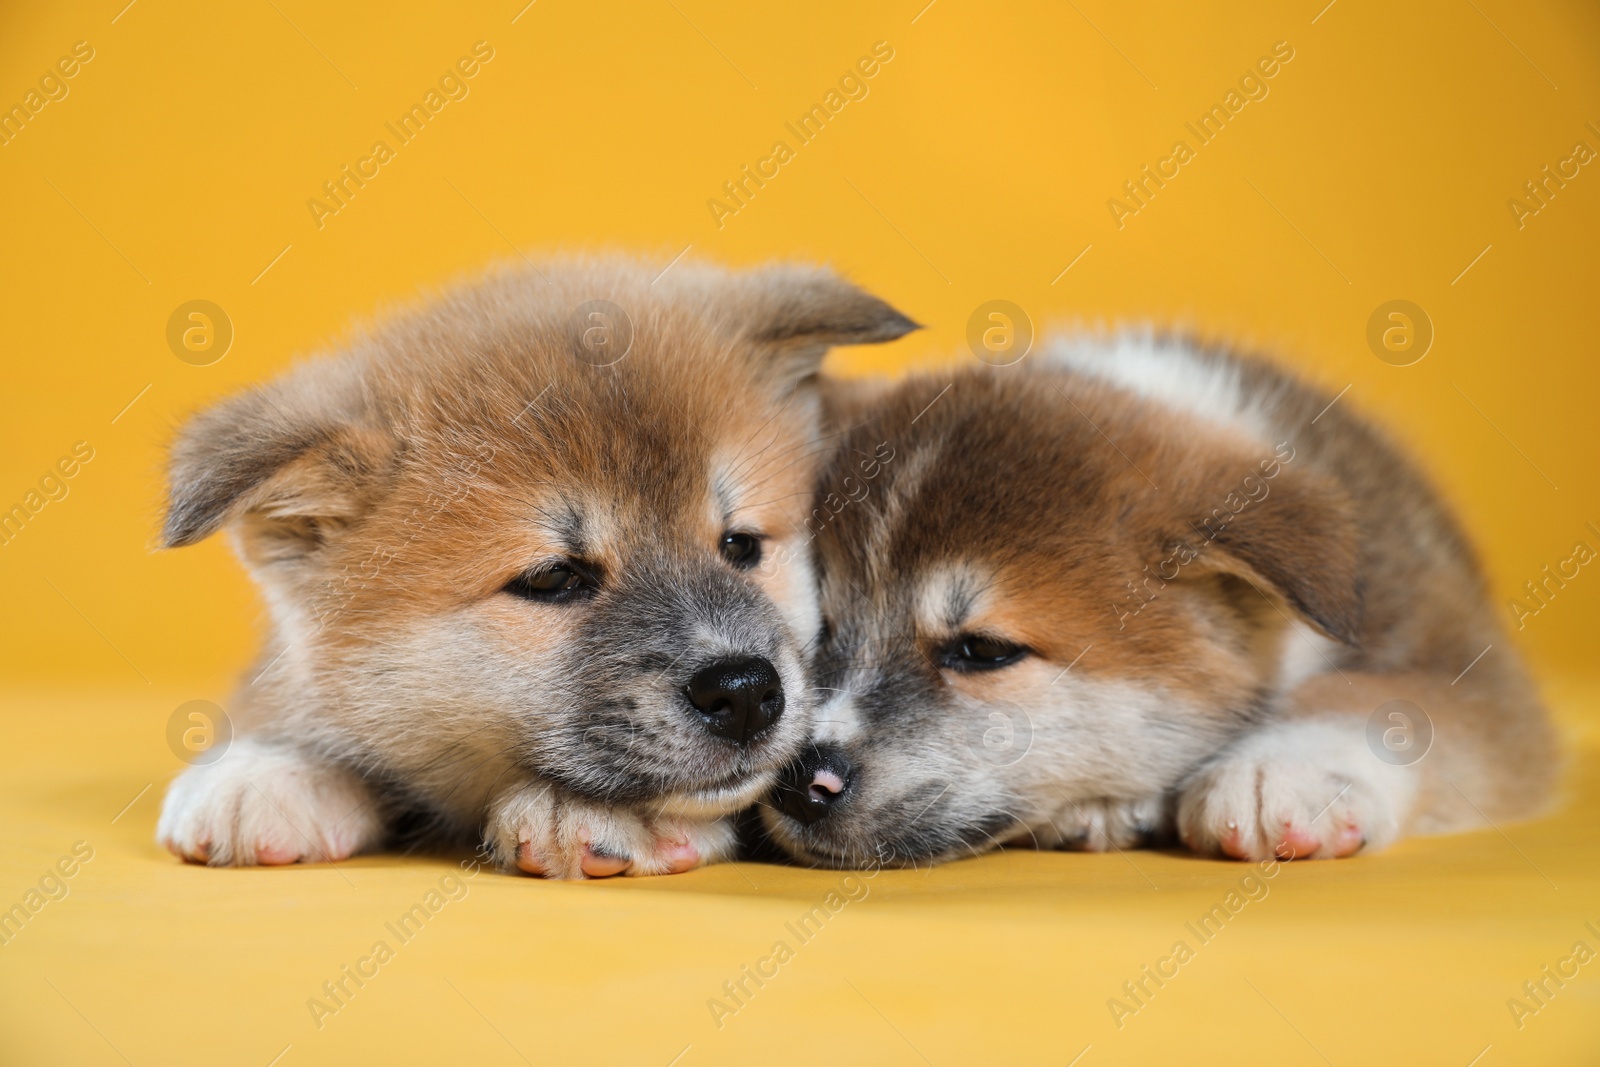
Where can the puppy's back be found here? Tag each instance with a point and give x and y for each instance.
(1426, 612)
(1425, 601)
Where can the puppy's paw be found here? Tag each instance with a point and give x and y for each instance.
(267, 804)
(1099, 824)
(544, 830)
(1295, 790)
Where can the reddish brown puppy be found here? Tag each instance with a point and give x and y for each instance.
(509, 544)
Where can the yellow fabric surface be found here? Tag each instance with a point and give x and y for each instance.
(1407, 957)
(986, 160)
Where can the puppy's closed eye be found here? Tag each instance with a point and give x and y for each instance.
(560, 582)
(980, 652)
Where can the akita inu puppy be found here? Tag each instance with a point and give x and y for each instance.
(509, 546)
(1135, 587)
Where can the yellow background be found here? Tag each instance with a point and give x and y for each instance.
(978, 167)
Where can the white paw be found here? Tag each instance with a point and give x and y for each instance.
(1295, 790)
(1100, 824)
(267, 804)
(543, 830)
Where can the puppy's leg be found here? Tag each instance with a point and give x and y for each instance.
(1099, 824)
(1312, 784)
(542, 829)
(1297, 789)
(267, 803)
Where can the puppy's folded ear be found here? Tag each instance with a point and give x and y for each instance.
(798, 313)
(1294, 537)
(290, 464)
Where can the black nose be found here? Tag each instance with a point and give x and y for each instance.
(737, 699)
(812, 786)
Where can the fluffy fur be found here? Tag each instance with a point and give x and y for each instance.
(383, 499)
(1215, 579)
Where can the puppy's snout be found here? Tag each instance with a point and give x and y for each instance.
(812, 786)
(737, 699)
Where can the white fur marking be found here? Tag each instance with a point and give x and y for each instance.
(1169, 373)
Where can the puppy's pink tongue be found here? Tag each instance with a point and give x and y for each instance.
(825, 785)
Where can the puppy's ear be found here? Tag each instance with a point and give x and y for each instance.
(1292, 536)
(289, 463)
(798, 313)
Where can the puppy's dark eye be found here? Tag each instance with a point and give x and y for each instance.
(740, 549)
(975, 652)
(553, 584)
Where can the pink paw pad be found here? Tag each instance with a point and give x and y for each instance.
(679, 855)
(1232, 843)
(528, 861)
(276, 855)
(601, 865)
(1347, 840)
(200, 854)
(1297, 843)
